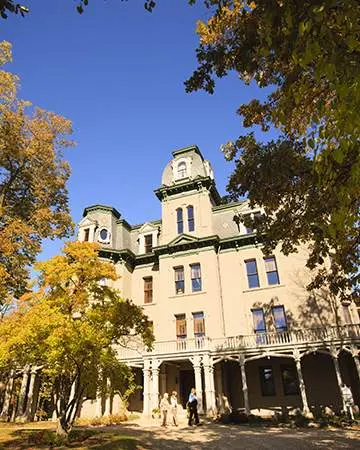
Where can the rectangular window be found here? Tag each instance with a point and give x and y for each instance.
(191, 221)
(148, 290)
(252, 216)
(347, 314)
(195, 277)
(259, 320)
(180, 326)
(179, 280)
(86, 234)
(271, 270)
(199, 324)
(252, 273)
(289, 380)
(267, 381)
(180, 221)
(279, 318)
(148, 243)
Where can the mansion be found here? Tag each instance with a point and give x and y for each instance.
(229, 320)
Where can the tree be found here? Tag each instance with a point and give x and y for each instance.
(33, 176)
(307, 180)
(72, 326)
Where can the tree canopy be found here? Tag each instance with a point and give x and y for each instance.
(72, 326)
(307, 180)
(33, 176)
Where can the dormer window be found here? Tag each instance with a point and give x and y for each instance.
(181, 170)
(148, 243)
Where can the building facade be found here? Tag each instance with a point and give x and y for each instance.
(235, 323)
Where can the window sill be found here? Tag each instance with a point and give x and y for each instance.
(263, 288)
(187, 294)
(149, 304)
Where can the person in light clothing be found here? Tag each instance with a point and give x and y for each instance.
(174, 406)
(193, 405)
(348, 400)
(164, 408)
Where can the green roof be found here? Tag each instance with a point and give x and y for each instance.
(191, 148)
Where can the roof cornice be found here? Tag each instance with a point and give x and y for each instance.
(106, 208)
(195, 184)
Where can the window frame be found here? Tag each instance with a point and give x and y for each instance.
(269, 273)
(252, 274)
(190, 218)
(148, 247)
(179, 281)
(264, 383)
(180, 220)
(86, 234)
(279, 328)
(195, 280)
(258, 330)
(148, 293)
(295, 390)
(180, 324)
(199, 318)
(181, 173)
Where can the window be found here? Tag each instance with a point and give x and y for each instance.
(148, 290)
(179, 280)
(199, 324)
(148, 243)
(195, 277)
(267, 382)
(271, 270)
(289, 380)
(259, 320)
(252, 273)
(181, 170)
(252, 216)
(190, 215)
(103, 234)
(180, 326)
(86, 234)
(279, 318)
(347, 314)
(179, 219)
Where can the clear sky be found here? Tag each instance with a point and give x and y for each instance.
(117, 72)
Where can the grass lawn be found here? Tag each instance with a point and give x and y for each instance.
(42, 435)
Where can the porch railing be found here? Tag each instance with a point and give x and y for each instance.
(327, 334)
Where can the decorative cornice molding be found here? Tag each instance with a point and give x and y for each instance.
(105, 208)
(194, 184)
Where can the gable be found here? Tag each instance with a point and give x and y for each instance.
(87, 222)
(147, 228)
(183, 239)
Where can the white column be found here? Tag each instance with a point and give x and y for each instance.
(209, 385)
(155, 364)
(355, 354)
(338, 375)
(30, 395)
(22, 395)
(107, 411)
(244, 384)
(196, 362)
(218, 387)
(163, 381)
(8, 392)
(146, 389)
(302, 388)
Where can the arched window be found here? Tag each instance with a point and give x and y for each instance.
(180, 221)
(190, 218)
(182, 170)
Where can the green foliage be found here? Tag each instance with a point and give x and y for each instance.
(308, 53)
(71, 327)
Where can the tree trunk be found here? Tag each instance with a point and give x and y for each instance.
(61, 428)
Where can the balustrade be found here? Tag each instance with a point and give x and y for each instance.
(280, 338)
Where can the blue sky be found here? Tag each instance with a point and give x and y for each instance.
(117, 72)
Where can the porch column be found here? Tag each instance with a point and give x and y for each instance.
(334, 355)
(107, 411)
(218, 388)
(196, 362)
(297, 360)
(163, 380)
(146, 389)
(7, 398)
(244, 384)
(209, 385)
(355, 354)
(22, 395)
(155, 364)
(30, 395)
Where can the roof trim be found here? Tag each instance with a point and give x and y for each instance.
(106, 208)
(190, 148)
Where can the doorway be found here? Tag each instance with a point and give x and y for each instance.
(187, 381)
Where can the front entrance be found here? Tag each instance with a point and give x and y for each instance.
(187, 381)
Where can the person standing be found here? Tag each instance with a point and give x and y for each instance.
(348, 400)
(164, 408)
(193, 404)
(174, 404)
